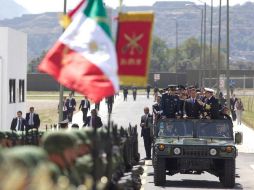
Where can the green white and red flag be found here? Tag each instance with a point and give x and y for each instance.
(84, 57)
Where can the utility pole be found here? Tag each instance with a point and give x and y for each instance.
(211, 47)
(219, 53)
(204, 51)
(176, 53)
(61, 87)
(228, 72)
(201, 51)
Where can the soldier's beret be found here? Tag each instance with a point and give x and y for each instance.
(82, 136)
(57, 142)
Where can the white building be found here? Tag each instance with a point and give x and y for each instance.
(13, 71)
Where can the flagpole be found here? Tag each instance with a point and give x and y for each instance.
(120, 6)
(61, 87)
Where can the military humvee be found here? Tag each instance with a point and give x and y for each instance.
(189, 146)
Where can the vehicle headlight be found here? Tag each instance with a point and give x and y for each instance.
(161, 147)
(229, 149)
(177, 151)
(213, 151)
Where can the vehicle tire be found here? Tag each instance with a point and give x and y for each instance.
(159, 172)
(228, 177)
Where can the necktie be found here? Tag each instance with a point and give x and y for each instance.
(31, 118)
(93, 122)
(19, 125)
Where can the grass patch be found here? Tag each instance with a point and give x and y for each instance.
(248, 114)
(48, 117)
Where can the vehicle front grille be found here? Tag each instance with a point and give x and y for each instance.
(194, 151)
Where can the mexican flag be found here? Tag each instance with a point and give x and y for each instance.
(84, 57)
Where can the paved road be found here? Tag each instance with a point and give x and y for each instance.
(130, 112)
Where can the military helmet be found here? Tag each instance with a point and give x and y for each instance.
(57, 142)
(82, 136)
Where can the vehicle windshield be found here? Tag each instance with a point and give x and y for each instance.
(175, 129)
(218, 129)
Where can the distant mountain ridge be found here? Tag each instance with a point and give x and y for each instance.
(10, 9)
(43, 29)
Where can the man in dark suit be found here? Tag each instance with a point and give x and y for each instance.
(94, 120)
(18, 123)
(210, 106)
(32, 119)
(110, 102)
(84, 106)
(232, 107)
(146, 124)
(192, 108)
(71, 106)
(125, 93)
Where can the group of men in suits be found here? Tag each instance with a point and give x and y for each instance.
(31, 121)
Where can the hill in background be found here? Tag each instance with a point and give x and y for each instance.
(43, 29)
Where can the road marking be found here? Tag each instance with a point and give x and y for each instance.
(252, 166)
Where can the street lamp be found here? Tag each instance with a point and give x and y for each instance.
(219, 53)
(201, 43)
(61, 87)
(227, 73)
(211, 46)
(176, 49)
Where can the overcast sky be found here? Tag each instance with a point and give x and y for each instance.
(40, 6)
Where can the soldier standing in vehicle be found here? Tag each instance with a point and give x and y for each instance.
(210, 105)
(146, 124)
(192, 108)
(170, 103)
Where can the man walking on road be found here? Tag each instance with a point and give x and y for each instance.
(110, 102)
(71, 106)
(84, 106)
(232, 107)
(94, 120)
(146, 124)
(18, 123)
(148, 88)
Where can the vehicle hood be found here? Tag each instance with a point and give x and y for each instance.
(196, 141)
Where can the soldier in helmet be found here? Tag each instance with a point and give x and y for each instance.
(170, 103)
(62, 151)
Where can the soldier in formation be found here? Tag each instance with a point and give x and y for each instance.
(70, 159)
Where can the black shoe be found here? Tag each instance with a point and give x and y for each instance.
(148, 158)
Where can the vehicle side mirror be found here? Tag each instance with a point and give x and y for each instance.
(238, 138)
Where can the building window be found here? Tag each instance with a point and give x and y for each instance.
(12, 91)
(21, 90)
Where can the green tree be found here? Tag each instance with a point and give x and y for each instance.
(32, 66)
